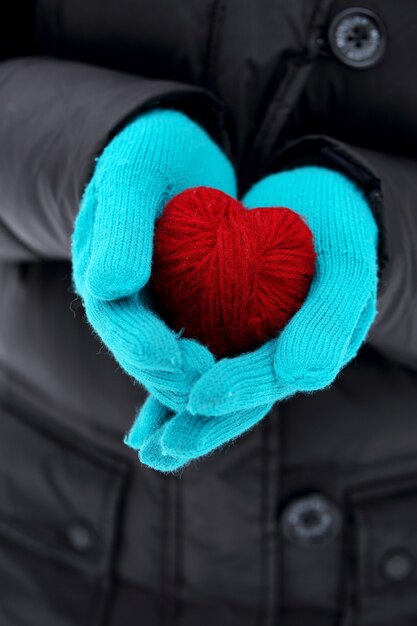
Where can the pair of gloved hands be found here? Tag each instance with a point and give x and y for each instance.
(198, 403)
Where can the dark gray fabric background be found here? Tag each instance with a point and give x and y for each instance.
(87, 535)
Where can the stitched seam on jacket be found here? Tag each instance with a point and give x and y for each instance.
(283, 92)
(164, 564)
(213, 43)
(283, 89)
(264, 579)
(178, 536)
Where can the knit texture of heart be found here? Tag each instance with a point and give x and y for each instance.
(229, 276)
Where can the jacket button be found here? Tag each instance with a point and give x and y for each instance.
(397, 565)
(80, 537)
(357, 37)
(311, 521)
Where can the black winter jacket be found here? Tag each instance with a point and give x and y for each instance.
(309, 519)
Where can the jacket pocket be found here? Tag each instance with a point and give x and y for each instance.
(59, 503)
(383, 580)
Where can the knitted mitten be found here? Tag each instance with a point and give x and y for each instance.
(152, 159)
(318, 341)
(333, 322)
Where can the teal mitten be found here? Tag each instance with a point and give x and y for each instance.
(152, 159)
(334, 320)
(319, 340)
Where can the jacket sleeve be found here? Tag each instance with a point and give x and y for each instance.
(390, 183)
(55, 118)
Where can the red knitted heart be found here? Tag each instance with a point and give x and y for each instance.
(231, 277)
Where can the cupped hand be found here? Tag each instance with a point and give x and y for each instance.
(152, 159)
(331, 325)
(198, 404)
(321, 338)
